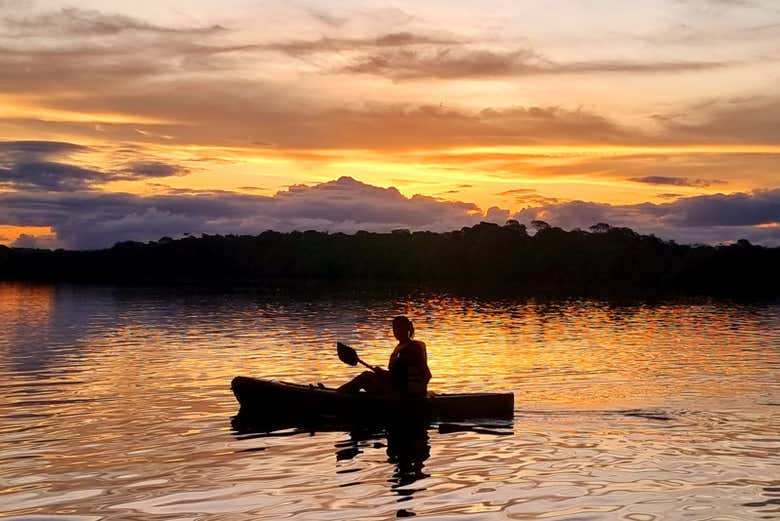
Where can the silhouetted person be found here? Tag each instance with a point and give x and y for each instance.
(407, 371)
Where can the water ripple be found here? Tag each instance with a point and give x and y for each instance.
(115, 404)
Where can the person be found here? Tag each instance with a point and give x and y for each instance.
(407, 371)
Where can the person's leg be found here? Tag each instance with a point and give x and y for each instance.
(369, 381)
(353, 386)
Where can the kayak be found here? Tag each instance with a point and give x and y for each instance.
(272, 398)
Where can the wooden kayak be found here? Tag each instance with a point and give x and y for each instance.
(266, 398)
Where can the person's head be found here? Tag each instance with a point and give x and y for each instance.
(403, 329)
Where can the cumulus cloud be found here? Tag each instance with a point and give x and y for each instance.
(94, 219)
(25, 240)
(496, 215)
(97, 219)
(702, 219)
(761, 207)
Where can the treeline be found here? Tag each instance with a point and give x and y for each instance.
(485, 256)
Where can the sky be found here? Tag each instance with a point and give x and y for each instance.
(137, 120)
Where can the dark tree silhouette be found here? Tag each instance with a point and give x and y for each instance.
(600, 228)
(540, 226)
(486, 256)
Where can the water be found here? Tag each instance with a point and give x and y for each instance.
(115, 404)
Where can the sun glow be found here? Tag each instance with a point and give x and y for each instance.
(18, 109)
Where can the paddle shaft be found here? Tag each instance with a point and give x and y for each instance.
(365, 364)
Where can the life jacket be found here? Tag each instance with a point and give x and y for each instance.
(408, 367)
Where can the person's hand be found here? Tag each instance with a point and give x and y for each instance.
(377, 369)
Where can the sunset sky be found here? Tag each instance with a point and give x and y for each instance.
(133, 120)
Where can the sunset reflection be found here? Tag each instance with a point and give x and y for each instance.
(133, 385)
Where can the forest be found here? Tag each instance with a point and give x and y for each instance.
(487, 256)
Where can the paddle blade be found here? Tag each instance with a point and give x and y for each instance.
(346, 354)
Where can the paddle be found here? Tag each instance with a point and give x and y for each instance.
(349, 356)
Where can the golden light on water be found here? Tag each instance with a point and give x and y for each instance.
(129, 121)
(560, 354)
(118, 399)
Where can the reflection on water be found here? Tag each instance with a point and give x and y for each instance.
(115, 404)
(406, 445)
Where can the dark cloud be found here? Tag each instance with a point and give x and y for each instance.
(48, 175)
(302, 48)
(153, 169)
(50, 71)
(26, 165)
(98, 219)
(210, 114)
(217, 110)
(528, 197)
(37, 165)
(701, 219)
(189, 86)
(115, 50)
(326, 44)
(25, 240)
(677, 181)
(702, 167)
(450, 63)
(741, 120)
(761, 207)
(214, 117)
(9, 150)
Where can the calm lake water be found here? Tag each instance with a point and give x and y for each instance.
(115, 404)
